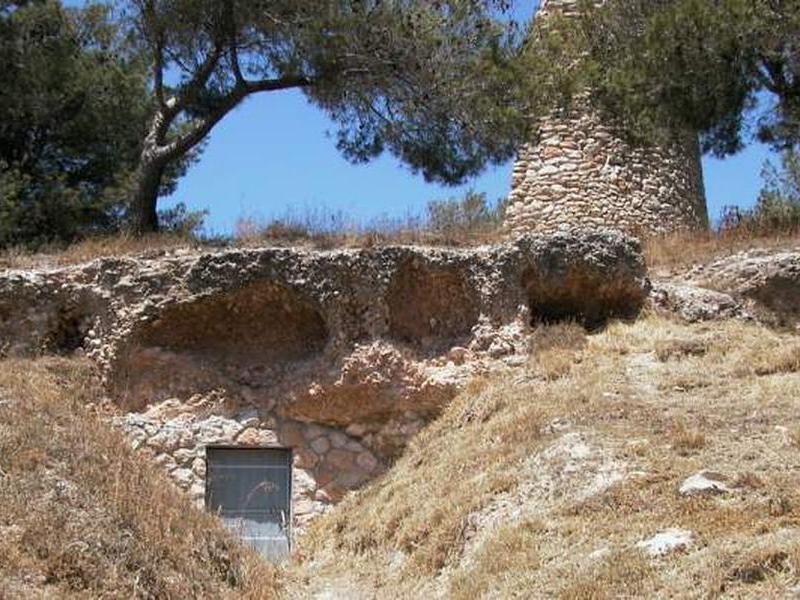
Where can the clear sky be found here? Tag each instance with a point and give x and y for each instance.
(272, 156)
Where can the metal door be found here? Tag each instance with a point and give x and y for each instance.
(251, 490)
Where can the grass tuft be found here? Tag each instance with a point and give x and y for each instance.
(83, 514)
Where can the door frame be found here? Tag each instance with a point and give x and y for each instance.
(286, 449)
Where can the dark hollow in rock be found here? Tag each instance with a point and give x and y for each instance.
(430, 307)
(780, 294)
(578, 294)
(251, 336)
(67, 331)
(263, 322)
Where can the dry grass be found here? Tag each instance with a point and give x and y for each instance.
(99, 247)
(279, 234)
(82, 515)
(247, 235)
(686, 440)
(624, 574)
(320, 229)
(555, 348)
(466, 514)
(677, 349)
(513, 551)
(485, 433)
(794, 437)
(681, 250)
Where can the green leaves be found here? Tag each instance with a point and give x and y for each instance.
(423, 80)
(72, 106)
(727, 68)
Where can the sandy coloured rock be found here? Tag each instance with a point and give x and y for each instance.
(340, 355)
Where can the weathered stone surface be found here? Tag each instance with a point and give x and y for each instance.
(705, 482)
(667, 541)
(693, 303)
(580, 171)
(311, 332)
(757, 284)
(769, 280)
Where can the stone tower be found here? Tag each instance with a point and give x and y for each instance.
(578, 171)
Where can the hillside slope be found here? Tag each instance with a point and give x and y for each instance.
(81, 515)
(651, 458)
(553, 480)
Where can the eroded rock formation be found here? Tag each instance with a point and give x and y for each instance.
(340, 355)
(758, 284)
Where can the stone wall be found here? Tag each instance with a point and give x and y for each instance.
(580, 171)
(342, 356)
(327, 461)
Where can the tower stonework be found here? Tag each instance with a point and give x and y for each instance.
(579, 171)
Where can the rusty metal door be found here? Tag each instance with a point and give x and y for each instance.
(251, 490)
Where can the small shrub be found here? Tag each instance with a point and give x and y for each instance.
(777, 209)
(686, 441)
(181, 221)
(463, 216)
(679, 348)
(554, 348)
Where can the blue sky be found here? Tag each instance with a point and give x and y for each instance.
(272, 156)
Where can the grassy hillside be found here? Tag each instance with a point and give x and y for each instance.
(541, 482)
(82, 515)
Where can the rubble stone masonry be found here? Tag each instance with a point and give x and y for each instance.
(580, 171)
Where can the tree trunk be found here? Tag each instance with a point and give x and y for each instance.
(143, 215)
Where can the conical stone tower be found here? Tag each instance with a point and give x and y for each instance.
(579, 172)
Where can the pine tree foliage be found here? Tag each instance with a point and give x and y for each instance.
(729, 69)
(426, 81)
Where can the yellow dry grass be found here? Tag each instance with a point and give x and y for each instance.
(463, 513)
(662, 253)
(96, 247)
(83, 515)
(680, 250)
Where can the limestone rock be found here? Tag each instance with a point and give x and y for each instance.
(769, 280)
(705, 482)
(694, 303)
(761, 285)
(667, 541)
(119, 307)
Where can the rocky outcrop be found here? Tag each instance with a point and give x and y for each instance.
(695, 303)
(341, 355)
(767, 280)
(756, 284)
(276, 305)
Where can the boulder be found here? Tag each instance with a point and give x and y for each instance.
(705, 482)
(667, 541)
